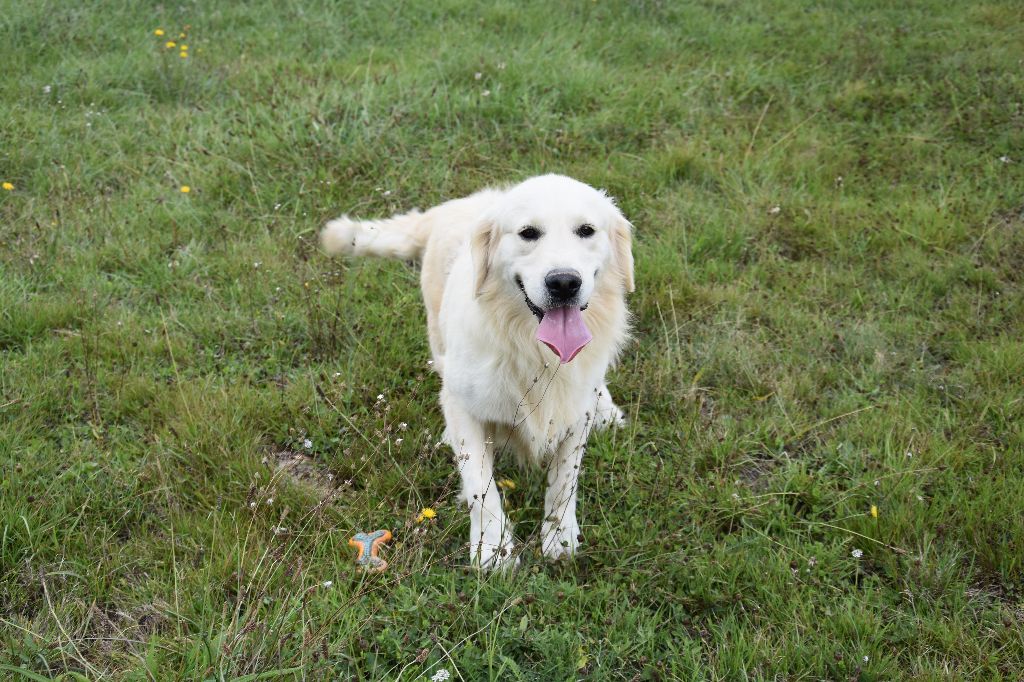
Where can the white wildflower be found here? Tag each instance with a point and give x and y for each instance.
(857, 553)
(308, 444)
(440, 676)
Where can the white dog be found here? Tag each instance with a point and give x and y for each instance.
(525, 295)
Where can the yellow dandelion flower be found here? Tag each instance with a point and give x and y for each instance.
(507, 484)
(874, 512)
(425, 514)
(159, 32)
(7, 186)
(185, 189)
(181, 35)
(183, 55)
(184, 48)
(169, 44)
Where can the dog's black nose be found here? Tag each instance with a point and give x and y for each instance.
(562, 285)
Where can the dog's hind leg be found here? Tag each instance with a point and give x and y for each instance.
(490, 531)
(606, 412)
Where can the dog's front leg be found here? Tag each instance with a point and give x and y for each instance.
(560, 533)
(490, 532)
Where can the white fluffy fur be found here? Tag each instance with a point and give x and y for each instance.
(501, 385)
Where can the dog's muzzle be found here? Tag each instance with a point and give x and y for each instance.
(534, 308)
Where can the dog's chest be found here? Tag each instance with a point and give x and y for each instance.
(532, 410)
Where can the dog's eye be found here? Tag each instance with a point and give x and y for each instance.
(530, 233)
(585, 230)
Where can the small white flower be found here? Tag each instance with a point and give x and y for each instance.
(398, 441)
(270, 501)
(440, 676)
(308, 444)
(866, 659)
(403, 426)
(380, 396)
(46, 89)
(775, 210)
(501, 66)
(477, 76)
(277, 206)
(486, 93)
(857, 553)
(328, 583)
(257, 264)
(1005, 159)
(252, 505)
(387, 192)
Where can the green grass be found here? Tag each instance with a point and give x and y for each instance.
(829, 316)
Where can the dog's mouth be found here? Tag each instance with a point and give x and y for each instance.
(561, 328)
(534, 308)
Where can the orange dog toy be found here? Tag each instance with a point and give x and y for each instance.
(368, 545)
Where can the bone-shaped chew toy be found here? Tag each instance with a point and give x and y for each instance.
(369, 545)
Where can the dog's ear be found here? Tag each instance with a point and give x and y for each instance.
(622, 252)
(481, 247)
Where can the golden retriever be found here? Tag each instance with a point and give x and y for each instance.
(525, 294)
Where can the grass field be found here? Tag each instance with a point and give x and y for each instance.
(198, 409)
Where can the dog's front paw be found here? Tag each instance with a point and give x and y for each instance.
(560, 540)
(493, 557)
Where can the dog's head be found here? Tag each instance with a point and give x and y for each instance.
(553, 241)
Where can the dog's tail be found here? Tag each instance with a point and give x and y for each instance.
(401, 236)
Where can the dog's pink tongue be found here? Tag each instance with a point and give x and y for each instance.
(564, 332)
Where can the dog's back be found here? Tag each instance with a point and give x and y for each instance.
(433, 237)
